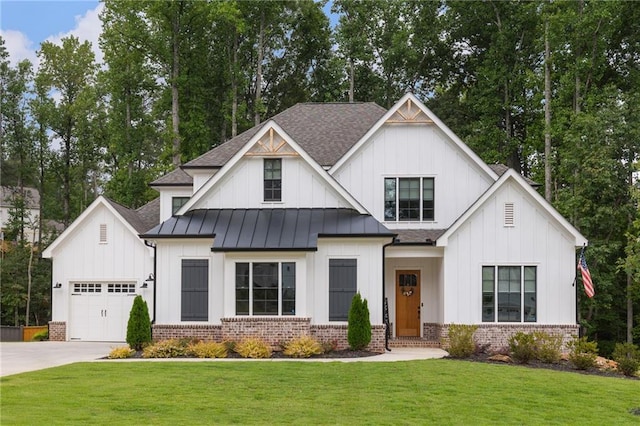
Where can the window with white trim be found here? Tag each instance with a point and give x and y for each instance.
(272, 179)
(87, 288)
(409, 199)
(177, 203)
(265, 288)
(509, 293)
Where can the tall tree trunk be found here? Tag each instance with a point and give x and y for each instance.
(352, 80)
(258, 99)
(629, 310)
(577, 96)
(29, 279)
(547, 113)
(175, 72)
(234, 87)
(66, 202)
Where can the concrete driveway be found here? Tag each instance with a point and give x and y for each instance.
(20, 357)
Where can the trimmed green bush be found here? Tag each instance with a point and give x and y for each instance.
(139, 325)
(253, 347)
(207, 350)
(359, 328)
(303, 347)
(522, 347)
(461, 344)
(583, 353)
(548, 347)
(627, 355)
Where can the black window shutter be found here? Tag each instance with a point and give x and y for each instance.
(343, 280)
(195, 290)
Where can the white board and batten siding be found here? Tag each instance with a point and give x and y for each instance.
(534, 239)
(414, 151)
(103, 253)
(242, 187)
(166, 199)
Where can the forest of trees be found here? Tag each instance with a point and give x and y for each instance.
(549, 88)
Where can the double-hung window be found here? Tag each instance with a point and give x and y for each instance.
(509, 293)
(272, 179)
(409, 199)
(265, 288)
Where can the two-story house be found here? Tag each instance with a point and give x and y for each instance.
(272, 233)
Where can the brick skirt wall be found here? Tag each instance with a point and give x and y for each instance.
(497, 335)
(275, 331)
(57, 331)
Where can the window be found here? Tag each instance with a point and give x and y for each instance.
(265, 288)
(409, 199)
(273, 179)
(343, 279)
(177, 203)
(195, 290)
(509, 293)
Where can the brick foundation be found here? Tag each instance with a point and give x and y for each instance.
(337, 334)
(57, 331)
(275, 331)
(497, 335)
(208, 332)
(431, 331)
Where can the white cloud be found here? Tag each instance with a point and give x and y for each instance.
(88, 28)
(19, 46)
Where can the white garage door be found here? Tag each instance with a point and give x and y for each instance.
(100, 311)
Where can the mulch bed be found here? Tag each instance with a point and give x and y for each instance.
(346, 353)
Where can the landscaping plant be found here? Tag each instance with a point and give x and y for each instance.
(627, 355)
(121, 352)
(461, 344)
(139, 325)
(359, 325)
(548, 347)
(207, 350)
(253, 347)
(171, 348)
(583, 353)
(303, 347)
(522, 347)
(41, 336)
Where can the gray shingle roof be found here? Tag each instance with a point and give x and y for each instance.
(31, 196)
(175, 178)
(501, 169)
(143, 219)
(325, 131)
(268, 229)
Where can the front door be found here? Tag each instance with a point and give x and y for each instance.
(407, 303)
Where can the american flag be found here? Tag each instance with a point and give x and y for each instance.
(586, 275)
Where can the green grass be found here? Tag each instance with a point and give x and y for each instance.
(416, 392)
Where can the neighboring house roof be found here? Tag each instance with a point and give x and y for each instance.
(178, 177)
(418, 236)
(501, 169)
(268, 229)
(32, 196)
(325, 131)
(512, 175)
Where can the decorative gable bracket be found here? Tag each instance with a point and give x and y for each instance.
(271, 144)
(409, 113)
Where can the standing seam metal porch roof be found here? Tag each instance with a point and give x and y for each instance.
(268, 229)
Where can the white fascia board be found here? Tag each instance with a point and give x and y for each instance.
(436, 121)
(269, 125)
(511, 174)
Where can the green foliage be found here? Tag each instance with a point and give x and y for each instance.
(253, 347)
(41, 336)
(121, 352)
(583, 353)
(461, 344)
(522, 347)
(139, 325)
(627, 355)
(207, 350)
(171, 348)
(359, 324)
(548, 347)
(303, 347)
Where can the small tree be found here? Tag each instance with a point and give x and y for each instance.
(359, 328)
(139, 325)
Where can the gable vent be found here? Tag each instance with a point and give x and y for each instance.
(103, 233)
(509, 219)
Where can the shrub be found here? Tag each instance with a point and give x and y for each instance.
(303, 347)
(548, 347)
(253, 347)
(171, 348)
(627, 355)
(582, 353)
(359, 325)
(139, 325)
(522, 347)
(461, 344)
(121, 352)
(230, 345)
(207, 350)
(329, 346)
(41, 336)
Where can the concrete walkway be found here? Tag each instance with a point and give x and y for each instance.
(21, 357)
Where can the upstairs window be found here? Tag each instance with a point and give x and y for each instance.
(409, 199)
(177, 203)
(273, 179)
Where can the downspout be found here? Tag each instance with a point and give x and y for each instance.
(385, 306)
(155, 277)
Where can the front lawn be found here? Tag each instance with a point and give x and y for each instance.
(267, 392)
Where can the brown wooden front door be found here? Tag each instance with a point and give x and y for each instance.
(407, 303)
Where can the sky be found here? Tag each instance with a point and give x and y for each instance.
(24, 24)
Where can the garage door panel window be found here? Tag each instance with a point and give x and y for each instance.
(195, 290)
